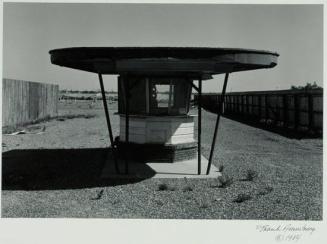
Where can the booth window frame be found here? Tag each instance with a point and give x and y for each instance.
(149, 106)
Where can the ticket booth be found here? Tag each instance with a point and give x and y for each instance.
(160, 127)
(154, 90)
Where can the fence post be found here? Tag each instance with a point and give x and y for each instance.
(310, 111)
(247, 104)
(285, 110)
(296, 111)
(242, 104)
(278, 108)
(259, 106)
(266, 108)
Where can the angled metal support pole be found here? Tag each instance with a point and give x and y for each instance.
(199, 124)
(194, 86)
(126, 84)
(220, 110)
(104, 100)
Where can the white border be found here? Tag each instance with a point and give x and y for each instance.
(157, 231)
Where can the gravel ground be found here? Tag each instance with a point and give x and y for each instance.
(55, 174)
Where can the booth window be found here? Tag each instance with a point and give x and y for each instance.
(137, 99)
(156, 96)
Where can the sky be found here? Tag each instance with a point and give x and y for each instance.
(30, 30)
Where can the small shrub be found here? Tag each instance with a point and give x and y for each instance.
(223, 182)
(277, 201)
(163, 187)
(98, 196)
(266, 190)
(269, 189)
(220, 168)
(171, 188)
(159, 203)
(250, 175)
(242, 198)
(188, 197)
(204, 205)
(187, 188)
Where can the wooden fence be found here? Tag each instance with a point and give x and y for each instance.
(24, 102)
(297, 110)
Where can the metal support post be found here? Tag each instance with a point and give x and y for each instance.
(126, 81)
(217, 123)
(199, 124)
(104, 100)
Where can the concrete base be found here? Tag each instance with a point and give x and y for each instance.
(180, 169)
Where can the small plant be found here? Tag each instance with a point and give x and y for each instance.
(98, 196)
(204, 205)
(187, 188)
(250, 175)
(266, 190)
(115, 202)
(188, 197)
(163, 187)
(220, 168)
(171, 188)
(223, 182)
(242, 198)
(159, 203)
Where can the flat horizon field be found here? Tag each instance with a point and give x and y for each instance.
(53, 171)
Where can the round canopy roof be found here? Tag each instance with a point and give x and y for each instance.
(163, 61)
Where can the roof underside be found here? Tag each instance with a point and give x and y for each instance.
(163, 61)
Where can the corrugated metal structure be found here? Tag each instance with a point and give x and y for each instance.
(24, 102)
(292, 109)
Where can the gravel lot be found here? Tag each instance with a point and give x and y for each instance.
(55, 174)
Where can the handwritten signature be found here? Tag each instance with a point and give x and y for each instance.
(288, 232)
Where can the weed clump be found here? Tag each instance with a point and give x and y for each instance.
(223, 182)
(266, 190)
(250, 175)
(187, 188)
(204, 205)
(98, 196)
(221, 168)
(159, 203)
(165, 187)
(242, 198)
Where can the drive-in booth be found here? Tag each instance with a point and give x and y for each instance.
(154, 91)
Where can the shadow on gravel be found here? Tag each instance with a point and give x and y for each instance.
(55, 169)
